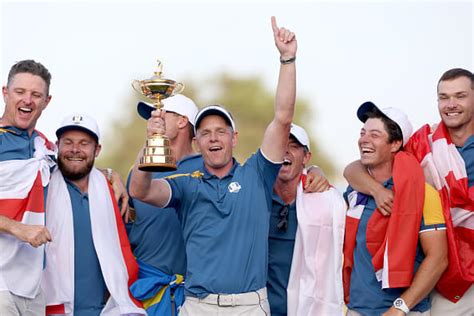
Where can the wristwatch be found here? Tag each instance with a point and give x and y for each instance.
(400, 304)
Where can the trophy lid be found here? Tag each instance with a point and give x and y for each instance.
(157, 88)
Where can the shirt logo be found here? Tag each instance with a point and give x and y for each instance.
(234, 187)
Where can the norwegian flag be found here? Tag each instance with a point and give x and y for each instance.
(444, 168)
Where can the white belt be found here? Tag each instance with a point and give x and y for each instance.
(249, 298)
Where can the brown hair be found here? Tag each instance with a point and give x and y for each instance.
(455, 73)
(32, 67)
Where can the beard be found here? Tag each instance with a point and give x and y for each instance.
(73, 174)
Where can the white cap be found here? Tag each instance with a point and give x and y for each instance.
(396, 115)
(178, 104)
(81, 122)
(300, 134)
(214, 110)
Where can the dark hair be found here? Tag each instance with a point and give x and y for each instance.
(455, 73)
(32, 67)
(393, 130)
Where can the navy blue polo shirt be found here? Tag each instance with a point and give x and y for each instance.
(225, 226)
(467, 154)
(156, 236)
(366, 295)
(16, 144)
(89, 284)
(280, 255)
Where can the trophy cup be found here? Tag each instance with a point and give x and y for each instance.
(157, 155)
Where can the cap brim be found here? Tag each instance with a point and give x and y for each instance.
(213, 111)
(297, 140)
(64, 129)
(364, 109)
(144, 110)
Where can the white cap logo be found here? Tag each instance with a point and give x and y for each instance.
(77, 119)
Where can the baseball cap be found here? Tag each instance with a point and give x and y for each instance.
(79, 121)
(178, 104)
(214, 110)
(300, 134)
(396, 115)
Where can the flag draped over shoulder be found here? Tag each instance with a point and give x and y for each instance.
(315, 285)
(22, 184)
(117, 263)
(444, 169)
(392, 240)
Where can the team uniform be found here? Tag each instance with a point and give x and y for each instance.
(280, 254)
(225, 228)
(90, 264)
(366, 294)
(157, 242)
(89, 285)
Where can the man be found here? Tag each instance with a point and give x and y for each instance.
(225, 209)
(165, 257)
(25, 156)
(451, 141)
(90, 264)
(155, 235)
(303, 229)
(392, 263)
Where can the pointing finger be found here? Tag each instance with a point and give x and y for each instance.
(274, 25)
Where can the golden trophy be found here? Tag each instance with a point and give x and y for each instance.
(157, 155)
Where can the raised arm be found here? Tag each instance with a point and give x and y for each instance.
(358, 178)
(275, 138)
(142, 187)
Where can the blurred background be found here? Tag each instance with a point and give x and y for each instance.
(392, 53)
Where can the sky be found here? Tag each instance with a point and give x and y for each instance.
(392, 53)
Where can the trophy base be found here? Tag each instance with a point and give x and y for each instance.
(157, 155)
(156, 167)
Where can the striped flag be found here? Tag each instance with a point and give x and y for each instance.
(445, 169)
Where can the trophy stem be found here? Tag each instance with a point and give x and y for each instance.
(157, 155)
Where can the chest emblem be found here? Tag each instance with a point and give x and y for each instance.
(234, 187)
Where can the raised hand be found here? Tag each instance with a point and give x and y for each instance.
(285, 41)
(316, 181)
(156, 123)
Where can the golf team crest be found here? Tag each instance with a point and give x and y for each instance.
(234, 187)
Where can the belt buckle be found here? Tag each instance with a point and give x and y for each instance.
(223, 302)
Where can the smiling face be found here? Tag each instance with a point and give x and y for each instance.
(215, 140)
(374, 146)
(25, 99)
(76, 154)
(294, 161)
(456, 103)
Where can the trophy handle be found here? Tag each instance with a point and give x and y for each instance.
(178, 88)
(136, 85)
